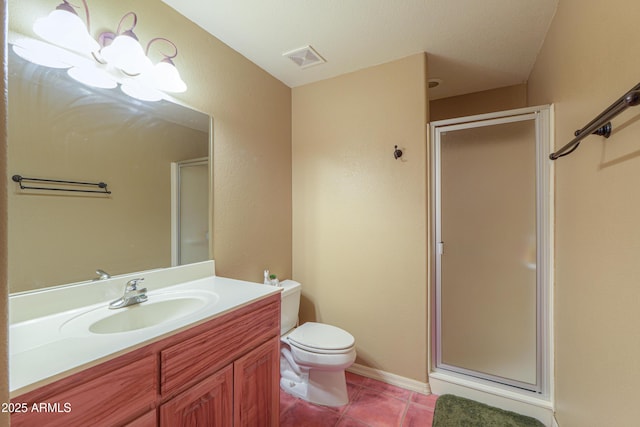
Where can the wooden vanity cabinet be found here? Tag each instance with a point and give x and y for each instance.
(256, 380)
(208, 403)
(224, 372)
(147, 420)
(240, 394)
(108, 397)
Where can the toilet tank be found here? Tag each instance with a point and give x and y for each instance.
(291, 291)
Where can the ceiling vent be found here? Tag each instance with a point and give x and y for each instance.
(305, 57)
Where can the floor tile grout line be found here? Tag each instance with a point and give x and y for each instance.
(344, 410)
(404, 414)
(349, 403)
(406, 401)
(427, 407)
(386, 394)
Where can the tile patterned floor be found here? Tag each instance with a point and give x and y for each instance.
(371, 404)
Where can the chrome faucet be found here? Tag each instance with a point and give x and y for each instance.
(132, 295)
(102, 275)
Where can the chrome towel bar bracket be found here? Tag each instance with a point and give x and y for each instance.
(601, 125)
(60, 185)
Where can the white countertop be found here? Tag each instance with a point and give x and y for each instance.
(41, 350)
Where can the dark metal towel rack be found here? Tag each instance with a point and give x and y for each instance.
(601, 125)
(19, 179)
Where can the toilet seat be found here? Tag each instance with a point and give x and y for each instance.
(320, 338)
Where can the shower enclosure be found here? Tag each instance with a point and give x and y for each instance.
(492, 246)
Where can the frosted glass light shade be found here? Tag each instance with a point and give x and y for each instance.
(136, 89)
(126, 54)
(66, 29)
(167, 78)
(43, 54)
(92, 75)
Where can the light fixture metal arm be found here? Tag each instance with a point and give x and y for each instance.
(175, 48)
(129, 30)
(86, 14)
(71, 8)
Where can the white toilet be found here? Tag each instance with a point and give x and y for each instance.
(313, 356)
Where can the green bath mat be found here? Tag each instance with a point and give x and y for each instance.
(454, 411)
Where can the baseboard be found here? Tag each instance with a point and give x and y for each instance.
(442, 383)
(389, 378)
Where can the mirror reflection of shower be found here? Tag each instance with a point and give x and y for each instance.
(190, 211)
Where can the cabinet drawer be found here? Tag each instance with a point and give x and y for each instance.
(108, 400)
(230, 337)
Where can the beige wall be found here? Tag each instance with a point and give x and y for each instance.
(252, 132)
(588, 60)
(359, 216)
(488, 101)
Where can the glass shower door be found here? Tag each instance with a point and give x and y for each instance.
(190, 211)
(487, 286)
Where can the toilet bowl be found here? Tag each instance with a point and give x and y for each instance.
(313, 356)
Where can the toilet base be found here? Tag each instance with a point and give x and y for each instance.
(319, 386)
(328, 388)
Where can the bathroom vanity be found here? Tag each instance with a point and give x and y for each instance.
(220, 370)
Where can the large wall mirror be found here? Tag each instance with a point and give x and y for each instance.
(150, 154)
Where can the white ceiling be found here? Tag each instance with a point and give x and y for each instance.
(473, 45)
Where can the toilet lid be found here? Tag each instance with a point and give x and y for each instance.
(322, 337)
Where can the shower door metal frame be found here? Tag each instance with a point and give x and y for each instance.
(542, 117)
(176, 231)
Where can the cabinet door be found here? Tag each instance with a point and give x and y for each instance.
(147, 420)
(256, 386)
(209, 403)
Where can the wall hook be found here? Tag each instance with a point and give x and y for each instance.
(397, 153)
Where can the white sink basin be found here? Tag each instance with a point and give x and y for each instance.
(161, 308)
(60, 330)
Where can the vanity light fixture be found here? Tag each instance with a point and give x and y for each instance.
(115, 58)
(92, 75)
(123, 50)
(165, 74)
(45, 54)
(64, 27)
